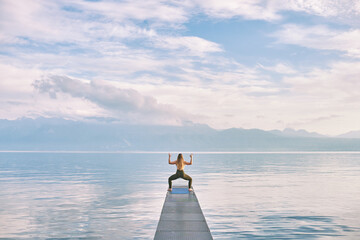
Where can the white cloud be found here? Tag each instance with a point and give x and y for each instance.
(96, 37)
(126, 104)
(326, 92)
(15, 81)
(80, 21)
(18, 98)
(271, 10)
(340, 81)
(342, 9)
(156, 10)
(318, 100)
(37, 20)
(279, 68)
(48, 22)
(321, 37)
(177, 12)
(317, 95)
(248, 9)
(192, 45)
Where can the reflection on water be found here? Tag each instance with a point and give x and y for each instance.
(284, 197)
(120, 196)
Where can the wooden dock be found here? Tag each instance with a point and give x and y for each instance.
(181, 217)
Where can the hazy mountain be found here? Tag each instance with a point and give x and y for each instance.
(60, 134)
(352, 134)
(289, 132)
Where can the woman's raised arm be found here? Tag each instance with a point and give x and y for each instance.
(191, 160)
(170, 162)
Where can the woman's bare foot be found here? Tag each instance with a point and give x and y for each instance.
(169, 189)
(190, 190)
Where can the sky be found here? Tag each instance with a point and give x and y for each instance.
(266, 64)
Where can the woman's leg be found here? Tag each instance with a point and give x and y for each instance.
(172, 177)
(187, 177)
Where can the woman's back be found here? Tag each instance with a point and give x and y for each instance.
(180, 164)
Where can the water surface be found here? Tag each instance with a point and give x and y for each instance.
(120, 196)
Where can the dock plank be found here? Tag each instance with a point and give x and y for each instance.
(182, 218)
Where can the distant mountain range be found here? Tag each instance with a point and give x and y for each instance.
(58, 134)
(352, 134)
(288, 132)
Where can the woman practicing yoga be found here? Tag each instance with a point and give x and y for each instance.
(180, 164)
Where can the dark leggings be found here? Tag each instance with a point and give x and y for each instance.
(180, 174)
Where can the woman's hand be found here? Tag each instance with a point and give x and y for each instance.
(170, 159)
(191, 159)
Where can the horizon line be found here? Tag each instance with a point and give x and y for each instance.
(195, 152)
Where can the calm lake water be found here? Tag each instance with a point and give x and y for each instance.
(120, 196)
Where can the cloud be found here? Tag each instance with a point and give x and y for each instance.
(321, 37)
(16, 96)
(23, 22)
(15, 81)
(174, 12)
(153, 10)
(248, 9)
(271, 10)
(83, 21)
(331, 91)
(37, 20)
(340, 81)
(279, 68)
(341, 9)
(193, 45)
(315, 120)
(77, 21)
(125, 103)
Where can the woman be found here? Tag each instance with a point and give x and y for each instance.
(180, 164)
